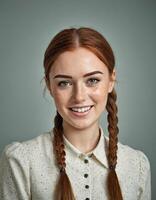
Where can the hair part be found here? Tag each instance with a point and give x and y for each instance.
(69, 40)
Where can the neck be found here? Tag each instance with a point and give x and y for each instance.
(83, 139)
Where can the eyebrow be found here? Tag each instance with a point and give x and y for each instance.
(85, 75)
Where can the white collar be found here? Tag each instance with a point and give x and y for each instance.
(99, 153)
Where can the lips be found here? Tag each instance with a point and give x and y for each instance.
(81, 111)
(80, 108)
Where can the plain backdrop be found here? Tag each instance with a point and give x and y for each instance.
(26, 28)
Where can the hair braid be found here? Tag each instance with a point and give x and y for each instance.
(63, 189)
(113, 183)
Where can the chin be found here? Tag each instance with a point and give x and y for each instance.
(81, 126)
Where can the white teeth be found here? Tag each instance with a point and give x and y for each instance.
(84, 109)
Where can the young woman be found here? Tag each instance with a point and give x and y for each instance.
(76, 161)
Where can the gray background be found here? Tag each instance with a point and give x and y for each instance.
(26, 28)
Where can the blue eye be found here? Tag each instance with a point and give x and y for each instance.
(92, 81)
(64, 83)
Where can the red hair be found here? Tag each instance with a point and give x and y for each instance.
(69, 40)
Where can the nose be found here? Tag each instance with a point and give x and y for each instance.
(79, 93)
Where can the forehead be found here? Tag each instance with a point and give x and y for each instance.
(77, 62)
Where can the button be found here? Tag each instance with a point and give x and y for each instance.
(86, 186)
(85, 175)
(86, 161)
(87, 198)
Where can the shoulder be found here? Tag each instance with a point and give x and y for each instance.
(129, 155)
(133, 159)
(132, 153)
(26, 149)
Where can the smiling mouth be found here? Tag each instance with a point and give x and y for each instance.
(81, 109)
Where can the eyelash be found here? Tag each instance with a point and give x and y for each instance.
(62, 82)
(93, 82)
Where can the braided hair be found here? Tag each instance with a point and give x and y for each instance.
(68, 40)
(63, 189)
(113, 140)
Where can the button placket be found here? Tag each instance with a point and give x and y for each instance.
(87, 177)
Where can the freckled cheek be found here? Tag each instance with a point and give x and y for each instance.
(60, 98)
(100, 95)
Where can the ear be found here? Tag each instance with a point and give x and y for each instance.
(112, 81)
(51, 92)
(48, 86)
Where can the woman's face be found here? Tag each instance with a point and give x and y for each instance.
(79, 84)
